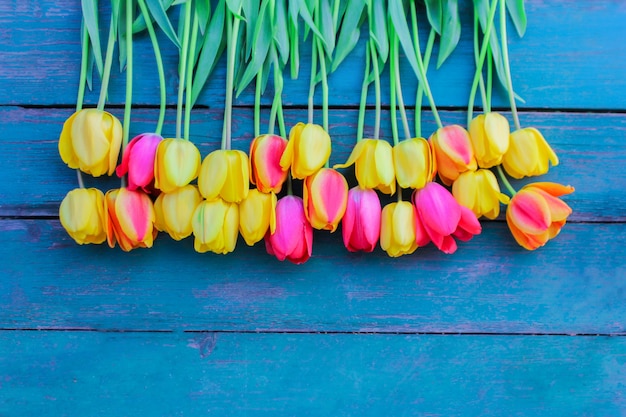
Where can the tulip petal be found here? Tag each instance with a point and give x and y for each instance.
(552, 188)
(141, 163)
(135, 214)
(469, 225)
(355, 154)
(530, 212)
(65, 143)
(438, 209)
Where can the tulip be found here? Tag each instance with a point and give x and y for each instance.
(536, 214)
(397, 229)
(177, 163)
(257, 215)
(414, 163)
(489, 134)
(265, 170)
(138, 161)
(293, 237)
(215, 226)
(174, 211)
(129, 219)
(224, 174)
(307, 151)
(361, 223)
(82, 215)
(325, 196)
(373, 165)
(90, 141)
(479, 191)
(529, 154)
(453, 151)
(440, 218)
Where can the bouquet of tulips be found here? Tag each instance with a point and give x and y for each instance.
(453, 177)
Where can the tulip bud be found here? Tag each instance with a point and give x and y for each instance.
(307, 151)
(82, 215)
(174, 211)
(479, 191)
(325, 195)
(373, 165)
(265, 170)
(177, 163)
(414, 163)
(90, 141)
(215, 226)
(224, 173)
(529, 154)
(293, 237)
(489, 134)
(453, 151)
(397, 229)
(138, 161)
(257, 215)
(536, 214)
(360, 226)
(129, 219)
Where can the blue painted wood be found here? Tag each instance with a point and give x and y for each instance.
(562, 62)
(490, 285)
(104, 374)
(587, 144)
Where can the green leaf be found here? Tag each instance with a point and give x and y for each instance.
(434, 10)
(90, 16)
(235, 7)
(212, 47)
(378, 26)
(518, 15)
(121, 36)
(350, 31)
(306, 15)
(399, 20)
(294, 52)
(203, 9)
(158, 12)
(327, 27)
(450, 31)
(281, 34)
(260, 46)
(251, 13)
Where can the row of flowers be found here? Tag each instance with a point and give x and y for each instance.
(160, 195)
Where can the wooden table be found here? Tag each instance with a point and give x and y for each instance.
(491, 330)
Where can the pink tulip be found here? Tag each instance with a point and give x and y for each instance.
(138, 161)
(361, 223)
(293, 237)
(325, 198)
(440, 218)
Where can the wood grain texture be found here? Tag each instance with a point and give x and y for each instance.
(490, 285)
(103, 374)
(587, 144)
(569, 58)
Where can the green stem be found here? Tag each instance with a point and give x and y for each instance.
(182, 70)
(364, 87)
(505, 181)
(376, 89)
(281, 120)
(405, 122)
(257, 102)
(489, 80)
(324, 85)
(422, 71)
(507, 65)
(481, 60)
(129, 72)
(189, 74)
(420, 89)
(159, 63)
(392, 87)
(312, 80)
(289, 184)
(232, 31)
(82, 80)
(481, 81)
(108, 62)
(278, 91)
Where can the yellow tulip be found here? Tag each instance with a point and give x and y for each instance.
(307, 151)
(174, 211)
(489, 134)
(91, 141)
(257, 216)
(529, 154)
(414, 163)
(373, 165)
(215, 226)
(224, 173)
(479, 191)
(177, 163)
(82, 215)
(397, 229)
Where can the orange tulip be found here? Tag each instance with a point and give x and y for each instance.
(453, 151)
(265, 170)
(325, 195)
(129, 219)
(536, 214)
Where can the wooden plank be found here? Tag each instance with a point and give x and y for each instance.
(104, 374)
(556, 65)
(586, 144)
(489, 286)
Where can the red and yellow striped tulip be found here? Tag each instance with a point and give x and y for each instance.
(129, 219)
(325, 196)
(265, 170)
(453, 151)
